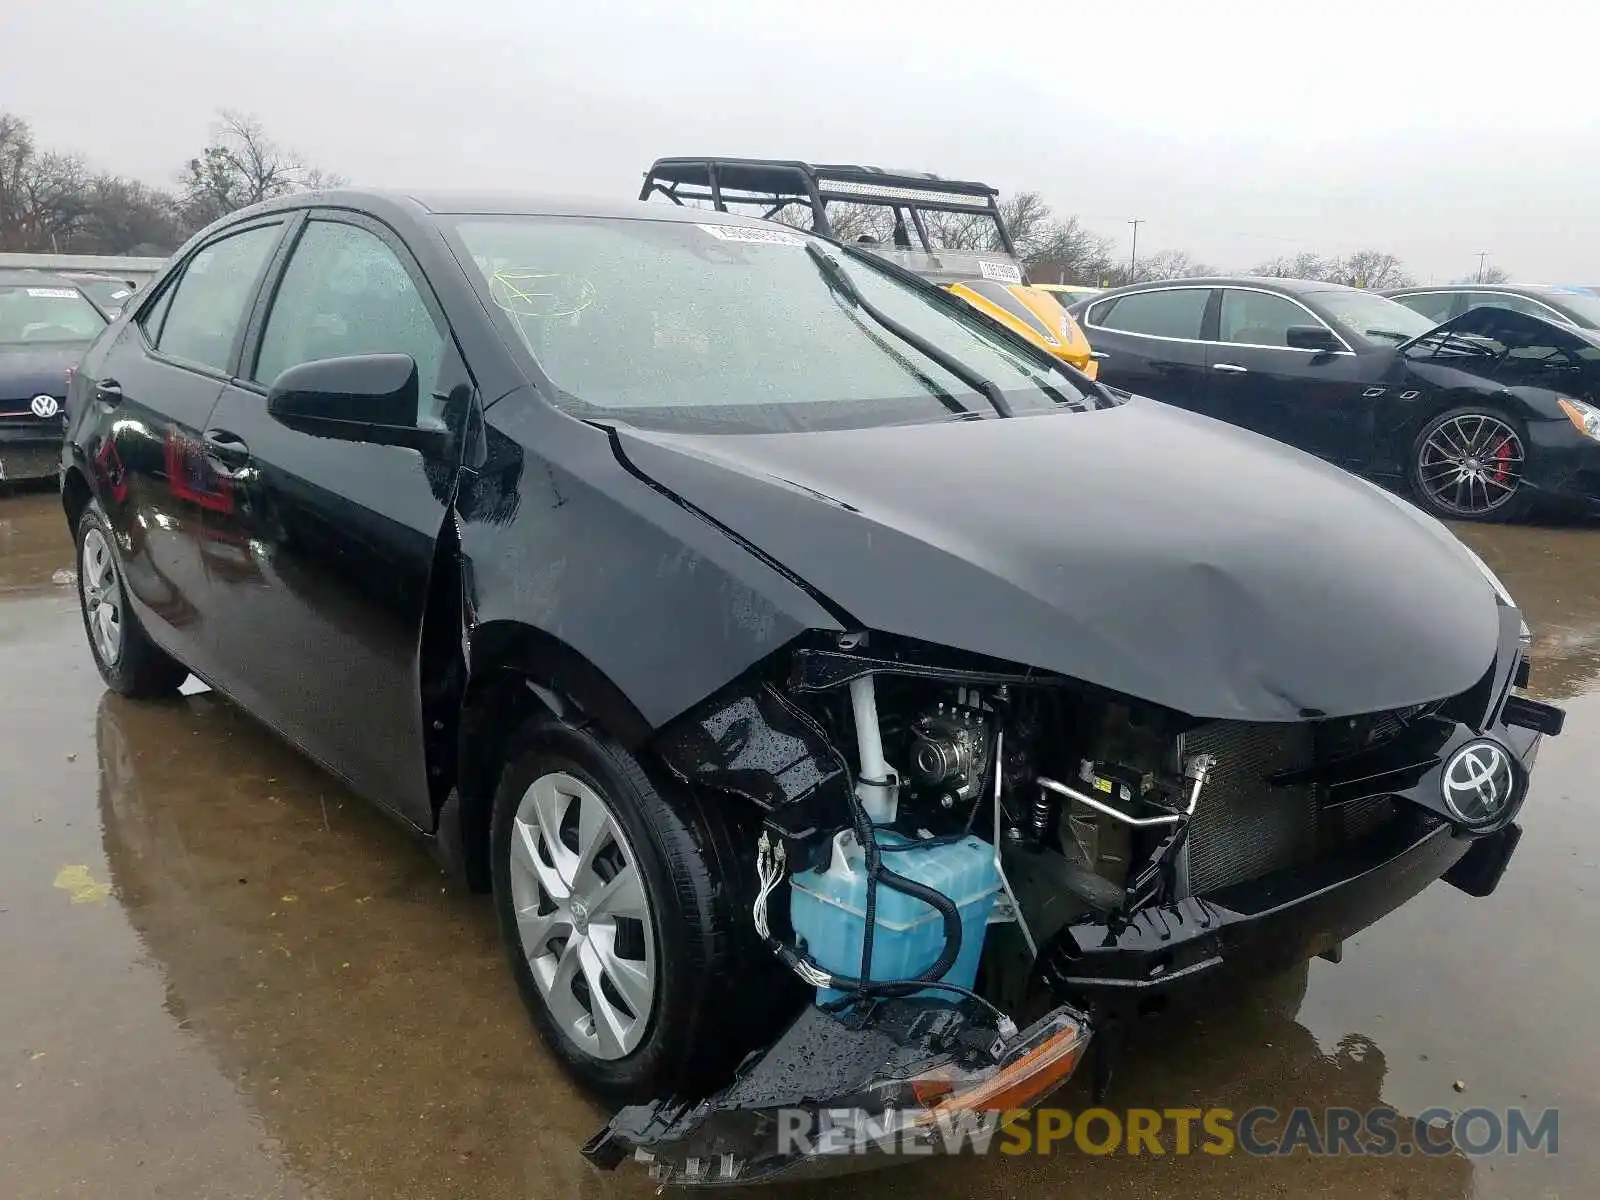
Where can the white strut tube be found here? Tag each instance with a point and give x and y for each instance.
(876, 784)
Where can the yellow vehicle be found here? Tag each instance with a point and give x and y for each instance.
(902, 214)
(1069, 293)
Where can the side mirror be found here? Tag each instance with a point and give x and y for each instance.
(362, 398)
(1312, 337)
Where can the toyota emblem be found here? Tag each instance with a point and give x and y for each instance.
(1478, 782)
(44, 406)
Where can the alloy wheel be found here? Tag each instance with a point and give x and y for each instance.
(1471, 464)
(583, 916)
(102, 596)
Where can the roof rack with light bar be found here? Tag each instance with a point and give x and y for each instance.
(778, 184)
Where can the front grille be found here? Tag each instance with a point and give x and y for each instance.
(1244, 827)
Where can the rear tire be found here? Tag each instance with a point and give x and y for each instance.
(1468, 464)
(129, 662)
(622, 915)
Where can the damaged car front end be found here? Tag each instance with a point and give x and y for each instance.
(1136, 852)
(1065, 732)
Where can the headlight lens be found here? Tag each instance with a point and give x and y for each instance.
(1586, 417)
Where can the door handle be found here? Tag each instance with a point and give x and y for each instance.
(108, 392)
(227, 448)
(1230, 368)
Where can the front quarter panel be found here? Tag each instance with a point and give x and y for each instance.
(563, 540)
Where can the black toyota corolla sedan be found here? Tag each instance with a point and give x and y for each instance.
(811, 670)
(1480, 417)
(46, 323)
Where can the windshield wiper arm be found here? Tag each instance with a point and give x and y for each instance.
(841, 282)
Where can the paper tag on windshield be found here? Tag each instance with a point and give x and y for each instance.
(53, 293)
(741, 233)
(1000, 272)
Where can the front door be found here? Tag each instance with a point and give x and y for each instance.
(1312, 399)
(323, 562)
(153, 388)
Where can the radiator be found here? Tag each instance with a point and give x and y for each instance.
(1244, 828)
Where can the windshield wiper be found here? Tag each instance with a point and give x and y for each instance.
(841, 282)
(1389, 333)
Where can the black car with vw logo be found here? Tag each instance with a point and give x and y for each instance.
(46, 323)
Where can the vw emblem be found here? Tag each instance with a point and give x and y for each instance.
(1478, 782)
(44, 406)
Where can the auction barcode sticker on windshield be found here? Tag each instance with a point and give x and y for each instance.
(742, 233)
(53, 293)
(1000, 272)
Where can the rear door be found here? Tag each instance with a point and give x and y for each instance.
(1149, 342)
(1313, 399)
(151, 391)
(323, 561)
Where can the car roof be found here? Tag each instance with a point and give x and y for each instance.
(777, 175)
(1297, 287)
(502, 204)
(24, 277)
(1512, 289)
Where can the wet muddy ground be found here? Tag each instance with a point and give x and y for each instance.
(223, 976)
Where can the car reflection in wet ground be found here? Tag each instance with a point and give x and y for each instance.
(225, 976)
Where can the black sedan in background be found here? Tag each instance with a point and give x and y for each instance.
(1480, 416)
(46, 323)
(1571, 305)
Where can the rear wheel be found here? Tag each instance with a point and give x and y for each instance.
(618, 911)
(1468, 465)
(128, 661)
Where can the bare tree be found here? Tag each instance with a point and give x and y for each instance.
(1164, 264)
(1493, 274)
(1362, 269)
(1372, 269)
(128, 217)
(241, 166)
(1305, 265)
(1071, 254)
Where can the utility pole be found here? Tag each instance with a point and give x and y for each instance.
(1483, 256)
(1133, 255)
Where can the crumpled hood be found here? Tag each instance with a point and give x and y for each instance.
(26, 372)
(1142, 548)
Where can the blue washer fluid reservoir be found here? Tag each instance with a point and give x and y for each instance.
(828, 910)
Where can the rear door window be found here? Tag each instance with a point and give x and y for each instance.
(209, 304)
(1166, 312)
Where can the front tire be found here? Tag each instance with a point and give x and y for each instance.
(617, 909)
(129, 662)
(1467, 464)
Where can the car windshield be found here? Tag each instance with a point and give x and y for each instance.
(109, 294)
(45, 313)
(1583, 305)
(729, 328)
(1373, 319)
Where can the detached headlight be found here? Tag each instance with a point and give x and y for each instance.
(1586, 417)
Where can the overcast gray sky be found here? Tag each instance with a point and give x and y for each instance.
(1237, 130)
